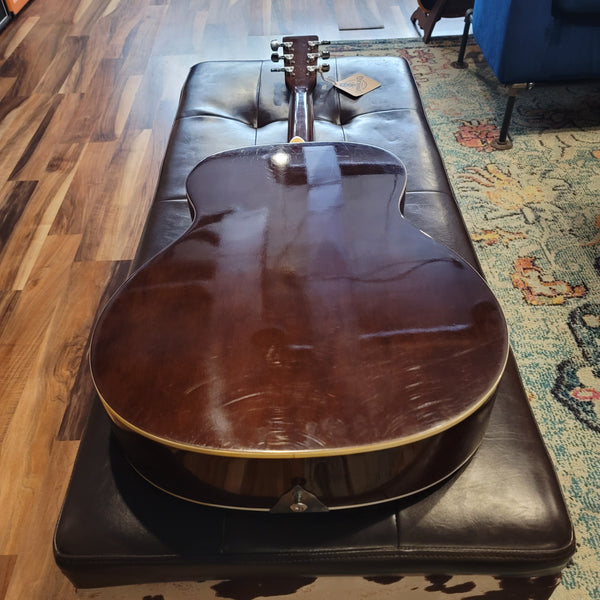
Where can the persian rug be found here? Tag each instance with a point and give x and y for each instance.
(533, 213)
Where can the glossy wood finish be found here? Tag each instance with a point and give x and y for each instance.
(300, 57)
(301, 316)
(324, 482)
(301, 126)
(88, 91)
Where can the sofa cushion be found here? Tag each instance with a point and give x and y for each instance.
(576, 7)
(525, 42)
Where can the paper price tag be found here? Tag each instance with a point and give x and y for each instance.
(357, 85)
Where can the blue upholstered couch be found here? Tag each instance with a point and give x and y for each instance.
(539, 40)
(535, 41)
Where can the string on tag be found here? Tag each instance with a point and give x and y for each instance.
(322, 71)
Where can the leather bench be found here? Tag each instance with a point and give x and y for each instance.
(501, 518)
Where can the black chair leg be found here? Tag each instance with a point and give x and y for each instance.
(504, 142)
(460, 62)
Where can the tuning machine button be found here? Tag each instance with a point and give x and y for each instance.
(324, 68)
(275, 45)
(314, 55)
(314, 43)
(275, 57)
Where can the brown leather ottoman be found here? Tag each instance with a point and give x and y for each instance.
(502, 515)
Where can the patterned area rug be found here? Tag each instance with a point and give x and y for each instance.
(533, 213)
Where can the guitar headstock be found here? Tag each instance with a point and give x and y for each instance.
(300, 59)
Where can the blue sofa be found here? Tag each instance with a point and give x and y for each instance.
(537, 41)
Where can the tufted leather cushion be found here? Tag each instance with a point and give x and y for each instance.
(503, 514)
(233, 104)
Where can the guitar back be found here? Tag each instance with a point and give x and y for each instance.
(302, 346)
(301, 315)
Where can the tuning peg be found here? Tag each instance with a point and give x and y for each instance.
(277, 57)
(283, 70)
(314, 43)
(275, 45)
(313, 68)
(314, 55)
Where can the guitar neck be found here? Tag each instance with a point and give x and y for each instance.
(300, 55)
(300, 122)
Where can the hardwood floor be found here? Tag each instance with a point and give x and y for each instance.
(88, 92)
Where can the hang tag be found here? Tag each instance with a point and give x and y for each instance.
(357, 85)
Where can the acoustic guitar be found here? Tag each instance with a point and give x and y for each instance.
(302, 347)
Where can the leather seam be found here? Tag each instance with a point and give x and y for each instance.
(200, 115)
(556, 559)
(257, 102)
(382, 112)
(339, 106)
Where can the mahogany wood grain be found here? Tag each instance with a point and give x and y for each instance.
(300, 320)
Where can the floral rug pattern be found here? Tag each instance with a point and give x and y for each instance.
(533, 213)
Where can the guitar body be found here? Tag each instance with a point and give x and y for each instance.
(302, 347)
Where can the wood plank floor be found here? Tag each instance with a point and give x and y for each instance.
(88, 91)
